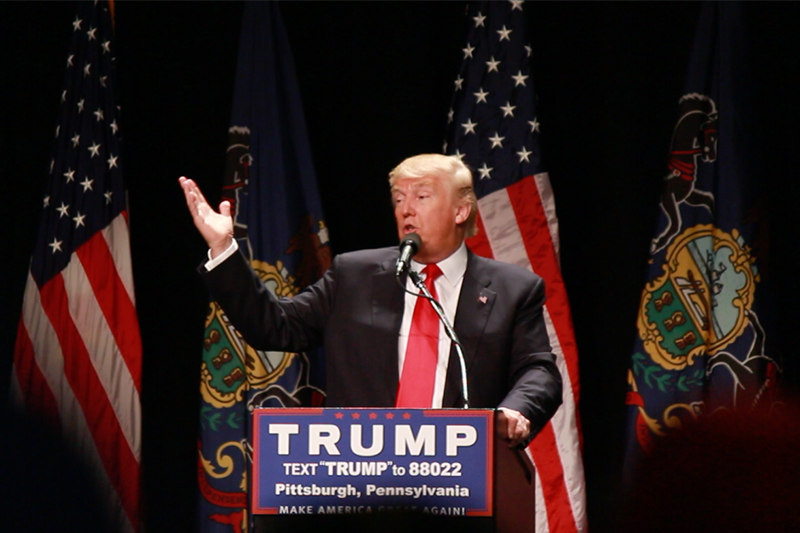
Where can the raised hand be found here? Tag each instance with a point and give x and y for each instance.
(216, 228)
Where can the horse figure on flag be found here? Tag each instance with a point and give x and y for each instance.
(695, 136)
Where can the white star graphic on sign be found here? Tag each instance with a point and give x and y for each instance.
(46, 201)
(55, 245)
(458, 82)
(492, 64)
(58, 130)
(80, 106)
(77, 24)
(69, 60)
(481, 96)
(508, 109)
(485, 171)
(459, 155)
(523, 155)
(534, 125)
(114, 126)
(103, 80)
(64, 96)
(468, 51)
(112, 161)
(87, 184)
(91, 33)
(106, 46)
(469, 127)
(99, 114)
(504, 34)
(497, 140)
(86, 69)
(108, 194)
(519, 79)
(70, 175)
(516, 4)
(528, 49)
(79, 220)
(95, 149)
(76, 140)
(450, 116)
(64, 210)
(479, 19)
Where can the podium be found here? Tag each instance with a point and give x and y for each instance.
(388, 470)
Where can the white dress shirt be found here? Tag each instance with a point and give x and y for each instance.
(448, 289)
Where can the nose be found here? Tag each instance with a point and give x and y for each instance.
(405, 207)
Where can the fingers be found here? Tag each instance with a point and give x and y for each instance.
(195, 201)
(225, 208)
(518, 427)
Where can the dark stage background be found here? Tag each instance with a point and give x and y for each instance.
(376, 80)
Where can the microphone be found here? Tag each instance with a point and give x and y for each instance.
(409, 246)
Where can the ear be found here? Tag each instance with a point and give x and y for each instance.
(462, 213)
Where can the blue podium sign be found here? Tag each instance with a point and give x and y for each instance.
(342, 461)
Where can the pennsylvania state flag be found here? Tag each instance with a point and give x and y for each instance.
(703, 347)
(270, 183)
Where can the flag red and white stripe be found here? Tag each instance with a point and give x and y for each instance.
(518, 225)
(78, 363)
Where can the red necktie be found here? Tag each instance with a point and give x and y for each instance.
(422, 353)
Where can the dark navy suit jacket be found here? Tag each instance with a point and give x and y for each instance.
(355, 311)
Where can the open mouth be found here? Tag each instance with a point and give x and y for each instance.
(408, 228)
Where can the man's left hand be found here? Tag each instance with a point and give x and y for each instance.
(518, 427)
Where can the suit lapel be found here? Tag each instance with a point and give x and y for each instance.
(388, 301)
(474, 307)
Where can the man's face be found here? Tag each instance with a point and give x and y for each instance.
(428, 206)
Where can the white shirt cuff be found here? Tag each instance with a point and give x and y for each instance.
(212, 263)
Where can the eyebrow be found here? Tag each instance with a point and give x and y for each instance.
(415, 186)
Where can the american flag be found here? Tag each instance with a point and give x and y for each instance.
(78, 353)
(493, 128)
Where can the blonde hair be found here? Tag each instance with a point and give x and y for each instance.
(420, 166)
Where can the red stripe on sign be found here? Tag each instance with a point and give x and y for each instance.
(548, 463)
(532, 222)
(36, 392)
(115, 453)
(479, 244)
(113, 299)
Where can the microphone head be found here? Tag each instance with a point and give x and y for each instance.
(412, 240)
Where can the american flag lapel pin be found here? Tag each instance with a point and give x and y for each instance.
(483, 299)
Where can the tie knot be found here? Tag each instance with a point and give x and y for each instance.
(431, 272)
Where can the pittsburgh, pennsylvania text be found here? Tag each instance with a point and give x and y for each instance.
(298, 489)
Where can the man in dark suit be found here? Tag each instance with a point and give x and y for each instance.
(379, 353)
